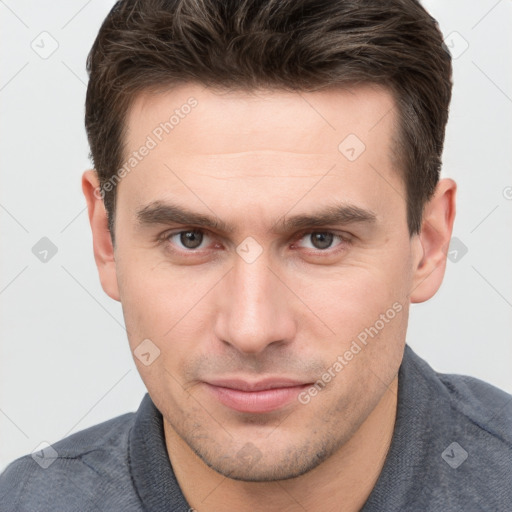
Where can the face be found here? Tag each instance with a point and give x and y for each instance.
(262, 247)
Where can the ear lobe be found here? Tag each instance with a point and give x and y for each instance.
(102, 241)
(435, 235)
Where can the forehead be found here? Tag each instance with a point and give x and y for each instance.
(231, 122)
(261, 151)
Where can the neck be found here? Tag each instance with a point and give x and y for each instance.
(342, 483)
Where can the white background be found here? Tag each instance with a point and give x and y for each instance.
(64, 360)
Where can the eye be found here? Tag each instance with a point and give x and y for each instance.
(320, 240)
(190, 239)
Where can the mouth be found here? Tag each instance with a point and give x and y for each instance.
(255, 397)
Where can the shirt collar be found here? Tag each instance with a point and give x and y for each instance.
(150, 467)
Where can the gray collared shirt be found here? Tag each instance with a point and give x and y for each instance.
(451, 451)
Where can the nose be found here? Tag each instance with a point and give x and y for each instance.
(255, 309)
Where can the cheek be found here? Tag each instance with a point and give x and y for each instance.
(159, 301)
(157, 307)
(366, 306)
(350, 300)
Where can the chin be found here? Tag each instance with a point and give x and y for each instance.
(250, 465)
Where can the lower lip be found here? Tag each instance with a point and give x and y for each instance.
(255, 401)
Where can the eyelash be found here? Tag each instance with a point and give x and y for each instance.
(345, 239)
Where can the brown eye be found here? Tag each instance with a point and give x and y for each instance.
(321, 240)
(191, 239)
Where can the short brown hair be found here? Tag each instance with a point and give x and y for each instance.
(295, 45)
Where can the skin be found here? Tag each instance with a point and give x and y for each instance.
(250, 160)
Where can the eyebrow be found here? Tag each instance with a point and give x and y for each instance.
(159, 212)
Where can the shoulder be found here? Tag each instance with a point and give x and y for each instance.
(466, 438)
(486, 406)
(471, 402)
(73, 473)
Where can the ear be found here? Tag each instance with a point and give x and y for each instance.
(102, 241)
(434, 239)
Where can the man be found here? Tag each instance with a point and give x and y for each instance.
(266, 205)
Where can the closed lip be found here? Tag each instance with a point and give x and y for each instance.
(260, 385)
(255, 397)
